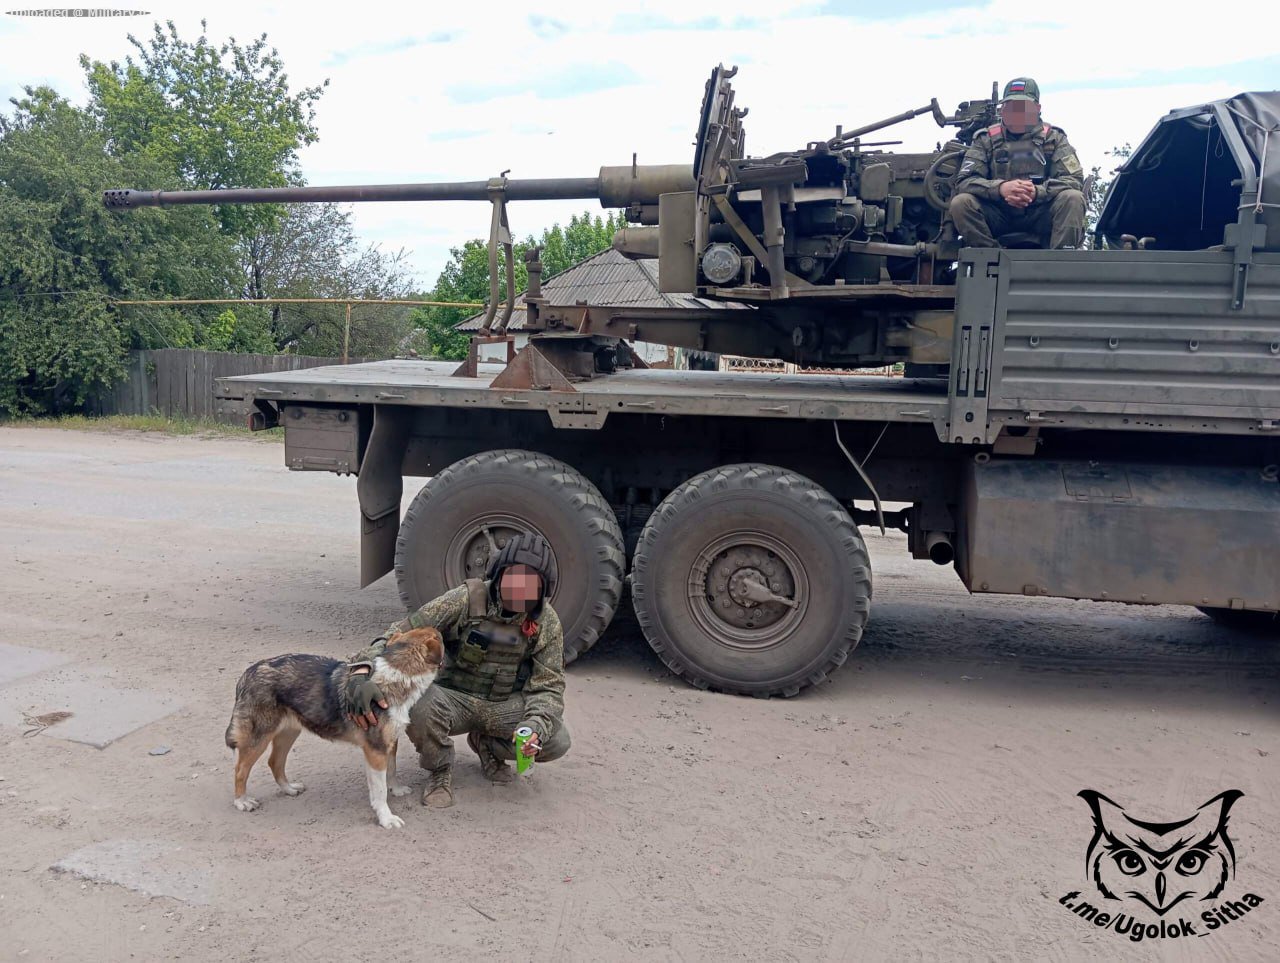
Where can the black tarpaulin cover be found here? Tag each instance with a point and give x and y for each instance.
(1177, 187)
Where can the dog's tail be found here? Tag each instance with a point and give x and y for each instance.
(235, 727)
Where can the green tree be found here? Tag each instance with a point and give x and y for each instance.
(63, 257)
(178, 114)
(313, 252)
(217, 115)
(466, 276)
(224, 115)
(227, 332)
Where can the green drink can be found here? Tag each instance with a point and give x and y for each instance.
(523, 762)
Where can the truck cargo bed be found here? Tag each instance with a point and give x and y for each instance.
(1118, 340)
(656, 391)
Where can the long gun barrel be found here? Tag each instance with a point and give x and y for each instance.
(636, 188)
(613, 186)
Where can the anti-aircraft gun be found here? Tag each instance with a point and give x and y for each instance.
(837, 255)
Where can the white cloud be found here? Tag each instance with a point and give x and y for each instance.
(392, 112)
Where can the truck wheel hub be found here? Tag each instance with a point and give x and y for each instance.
(475, 544)
(736, 585)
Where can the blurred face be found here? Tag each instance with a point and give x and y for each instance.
(1019, 116)
(519, 588)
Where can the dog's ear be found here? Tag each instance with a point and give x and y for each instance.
(425, 643)
(426, 635)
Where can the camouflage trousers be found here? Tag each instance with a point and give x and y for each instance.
(981, 222)
(442, 713)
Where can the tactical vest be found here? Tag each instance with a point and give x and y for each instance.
(1021, 158)
(490, 659)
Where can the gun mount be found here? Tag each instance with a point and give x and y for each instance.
(839, 254)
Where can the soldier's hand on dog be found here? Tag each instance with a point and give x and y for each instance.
(364, 693)
(1018, 193)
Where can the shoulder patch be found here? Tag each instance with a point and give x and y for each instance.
(994, 130)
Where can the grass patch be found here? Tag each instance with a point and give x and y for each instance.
(199, 427)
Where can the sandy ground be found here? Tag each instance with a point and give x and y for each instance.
(922, 804)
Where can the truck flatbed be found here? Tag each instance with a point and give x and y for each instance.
(653, 390)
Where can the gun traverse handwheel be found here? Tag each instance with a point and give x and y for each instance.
(939, 181)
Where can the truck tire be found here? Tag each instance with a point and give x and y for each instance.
(1245, 620)
(722, 535)
(472, 507)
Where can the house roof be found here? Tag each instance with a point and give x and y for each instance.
(603, 278)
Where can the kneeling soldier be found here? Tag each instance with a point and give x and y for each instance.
(504, 668)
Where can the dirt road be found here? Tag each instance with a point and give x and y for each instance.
(922, 804)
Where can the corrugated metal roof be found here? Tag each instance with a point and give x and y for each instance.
(604, 278)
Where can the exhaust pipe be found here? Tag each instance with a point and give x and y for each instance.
(939, 548)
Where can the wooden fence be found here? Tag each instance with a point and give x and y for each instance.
(178, 383)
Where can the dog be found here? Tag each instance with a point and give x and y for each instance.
(277, 698)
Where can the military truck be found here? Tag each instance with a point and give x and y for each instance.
(1092, 424)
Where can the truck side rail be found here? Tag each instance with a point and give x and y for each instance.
(1123, 340)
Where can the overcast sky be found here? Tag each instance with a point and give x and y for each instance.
(462, 91)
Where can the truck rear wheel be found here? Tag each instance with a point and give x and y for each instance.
(751, 579)
(468, 511)
(1245, 620)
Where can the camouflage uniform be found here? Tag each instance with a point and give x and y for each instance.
(445, 710)
(980, 213)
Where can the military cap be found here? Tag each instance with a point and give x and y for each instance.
(1021, 88)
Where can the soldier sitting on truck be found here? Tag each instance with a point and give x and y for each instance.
(1020, 176)
(504, 668)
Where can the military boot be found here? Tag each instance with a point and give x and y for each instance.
(439, 794)
(494, 769)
